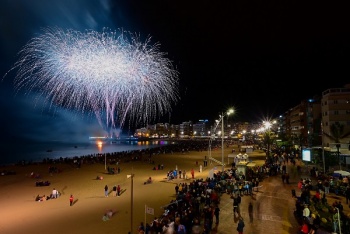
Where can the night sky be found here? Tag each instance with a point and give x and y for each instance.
(261, 58)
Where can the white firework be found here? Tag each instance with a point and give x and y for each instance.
(114, 75)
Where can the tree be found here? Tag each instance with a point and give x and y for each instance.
(268, 140)
(337, 134)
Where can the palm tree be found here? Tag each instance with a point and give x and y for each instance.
(299, 139)
(337, 134)
(268, 140)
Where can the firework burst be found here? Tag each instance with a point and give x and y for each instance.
(115, 76)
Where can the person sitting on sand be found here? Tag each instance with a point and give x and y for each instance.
(148, 181)
(40, 198)
(108, 214)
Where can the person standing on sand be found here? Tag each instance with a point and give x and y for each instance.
(118, 190)
(71, 199)
(114, 190)
(54, 193)
(106, 191)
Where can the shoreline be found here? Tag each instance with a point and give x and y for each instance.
(188, 144)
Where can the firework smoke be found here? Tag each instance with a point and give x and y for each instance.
(116, 77)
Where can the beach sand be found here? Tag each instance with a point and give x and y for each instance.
(20, 213)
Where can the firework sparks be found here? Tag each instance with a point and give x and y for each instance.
(115, 76)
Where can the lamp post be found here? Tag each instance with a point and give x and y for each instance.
(230, 111)
(323, 159)
(222, 142)
(132, 201)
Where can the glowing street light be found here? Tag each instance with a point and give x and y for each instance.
(230, 111)
(222, 133)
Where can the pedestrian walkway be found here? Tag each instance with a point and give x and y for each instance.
(273, 207)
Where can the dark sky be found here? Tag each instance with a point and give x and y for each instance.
(261, 58)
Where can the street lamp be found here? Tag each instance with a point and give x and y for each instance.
(132, 200)
(323, 159)
(217, 122)
(222, 142)
(230, 111)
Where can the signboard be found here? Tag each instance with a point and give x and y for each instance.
(306, 155)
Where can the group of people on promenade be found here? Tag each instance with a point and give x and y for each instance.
(316, 195)
(196, 207)
(314, 189)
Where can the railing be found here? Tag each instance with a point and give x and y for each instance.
(217, 161)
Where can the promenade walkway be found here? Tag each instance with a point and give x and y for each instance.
(273, 207)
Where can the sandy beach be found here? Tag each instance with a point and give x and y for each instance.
(20, 213)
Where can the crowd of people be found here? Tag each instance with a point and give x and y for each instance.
(196, 207)
(314, 191)
(316, 195)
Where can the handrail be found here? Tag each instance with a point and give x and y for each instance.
(217, 161)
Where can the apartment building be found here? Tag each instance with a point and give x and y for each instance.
(186, 129)
(200, 129)
(302, 123)
(335, 106)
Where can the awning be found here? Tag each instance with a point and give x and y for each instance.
(343, 173)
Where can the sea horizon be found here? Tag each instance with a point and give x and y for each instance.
(38, 151)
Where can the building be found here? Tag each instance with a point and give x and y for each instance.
(303, 123)
(335, 105)
(200, 129)
(186, 129)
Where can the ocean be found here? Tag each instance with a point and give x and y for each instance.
(38, 151)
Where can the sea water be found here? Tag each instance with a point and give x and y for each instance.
(38, 151)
